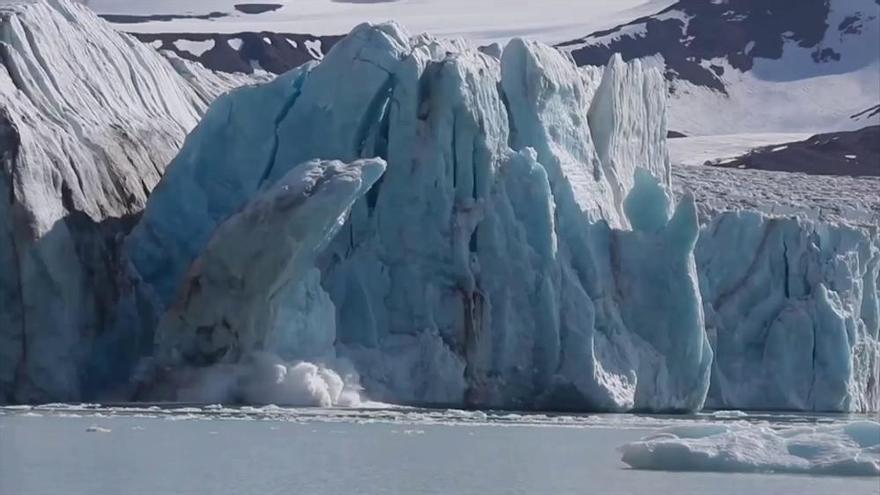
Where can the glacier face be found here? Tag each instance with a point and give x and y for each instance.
(471, 273)
(792, 309)
(467, 228)
(88, 120)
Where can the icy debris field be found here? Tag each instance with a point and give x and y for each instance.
(854, 200)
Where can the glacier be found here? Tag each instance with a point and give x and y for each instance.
(89, 118)
(463, 228)
(792, 309)
(470, 274)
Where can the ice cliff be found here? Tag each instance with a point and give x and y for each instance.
(412, 216)
(89, 118)
(792, 311)
(492, 264)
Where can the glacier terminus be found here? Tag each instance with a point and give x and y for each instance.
(411, 220)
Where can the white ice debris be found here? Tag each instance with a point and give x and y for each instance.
(851, 449)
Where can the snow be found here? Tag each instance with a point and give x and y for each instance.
(314, 48)
(697, 150)
(486, 21)
(851, 449)
(786, 106)
(791, 94)
(197, 48)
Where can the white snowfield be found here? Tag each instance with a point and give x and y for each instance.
(483, 21)
(851, 449)
(521, 249)
(697, 150)
(795, 94)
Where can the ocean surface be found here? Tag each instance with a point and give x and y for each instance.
(95, 450)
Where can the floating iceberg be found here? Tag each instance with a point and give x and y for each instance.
(852, 449)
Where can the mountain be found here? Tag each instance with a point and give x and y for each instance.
(242, 37)
(756, 65)
(723, 59)
(854, 153)
(483, 22)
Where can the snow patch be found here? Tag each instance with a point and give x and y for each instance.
(196, 48)
(314, 48)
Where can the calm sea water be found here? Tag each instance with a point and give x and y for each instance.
(193, 451)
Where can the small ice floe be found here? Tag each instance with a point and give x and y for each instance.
(851, 449)
(729, 414)
(850, 157)
(97, 429)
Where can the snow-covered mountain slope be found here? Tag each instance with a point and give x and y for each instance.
(89, 119)
(810, 66)
(756, 65)
(244, 52)
(276, 37)
(481, 21)
(702, 150)
(854, 153)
